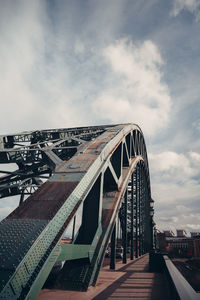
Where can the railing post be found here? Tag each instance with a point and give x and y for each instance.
(136, 214)
(132, 220)
(140, 232)
(124, 233)
(112, 254)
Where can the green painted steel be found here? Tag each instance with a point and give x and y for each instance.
(99, 171)
(71, 251)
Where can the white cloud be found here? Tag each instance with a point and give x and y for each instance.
(136, 92)
(174, 166)
(175, 188)
(7, 205)
(55, 61)
(193, 6)
(35, 85)
(5, 211)
(17, 59)
(195, 157)
(193, 226)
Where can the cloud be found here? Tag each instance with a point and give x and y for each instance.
(7, 205)
(193, 226)
(136, 92)
(175, 167)
(35, 79)
(47, 81)
(193, 6)
(5, 211)
(195, 157)
(66, 64)
(196, 125)
(18, 56)
(175, 188)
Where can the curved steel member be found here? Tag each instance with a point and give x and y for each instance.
(98, 176)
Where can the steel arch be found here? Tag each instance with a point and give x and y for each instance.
(97, 175)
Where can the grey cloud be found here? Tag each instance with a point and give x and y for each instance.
(52, 70)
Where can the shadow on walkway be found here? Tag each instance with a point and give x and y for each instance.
(137, 283)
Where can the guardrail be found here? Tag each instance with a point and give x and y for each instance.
(179, 287)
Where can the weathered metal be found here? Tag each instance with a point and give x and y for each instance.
(90, 166)
(132, 219)
(113, 249)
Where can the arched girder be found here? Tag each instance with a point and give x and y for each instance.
(99, 172)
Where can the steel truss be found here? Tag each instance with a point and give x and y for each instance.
(105, 168)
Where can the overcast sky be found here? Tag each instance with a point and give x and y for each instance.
(80, 62)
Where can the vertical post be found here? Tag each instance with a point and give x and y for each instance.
(113, 255)
(142, 209)
(136, 215)
(147, 236)
(73, 230)
(125, 229)
(146, 216)
(140, 233)
(151, 228)
(132, 219)
(151, 213)
(21, 198)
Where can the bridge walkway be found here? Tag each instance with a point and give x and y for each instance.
(128, 281)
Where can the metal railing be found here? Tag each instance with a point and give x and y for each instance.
(179, 287)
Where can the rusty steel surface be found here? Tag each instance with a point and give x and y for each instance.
(45, 202)
(89, 174)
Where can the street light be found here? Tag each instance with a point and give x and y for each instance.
(155, 236)
(151, 203)
(151, 212)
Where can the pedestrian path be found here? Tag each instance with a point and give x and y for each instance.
(129, 281)
(137, 283)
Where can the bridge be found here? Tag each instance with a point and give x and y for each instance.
(93, 180)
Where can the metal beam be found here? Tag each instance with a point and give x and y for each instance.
(124, 231)
(132, 219)
(95, 175)
(113, 248)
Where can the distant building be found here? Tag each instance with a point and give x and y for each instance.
(179, 245)
(162, 244)
(181, 233)
(168, 233)
(193, 234)
(196, 246)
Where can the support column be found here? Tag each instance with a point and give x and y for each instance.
(142, 209)
(151, 228)
(21, 198)
(136, 215)
(132, 220)
(113, 247)
(73, 230)
(140, 231)
(125, 230)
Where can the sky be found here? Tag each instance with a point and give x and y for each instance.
(80, 63)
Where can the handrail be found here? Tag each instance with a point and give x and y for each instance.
(181, 289)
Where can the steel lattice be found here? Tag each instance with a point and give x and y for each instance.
(97, 166)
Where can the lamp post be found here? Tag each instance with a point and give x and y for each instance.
(151, 203)
(155, 237)
(151, 213)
